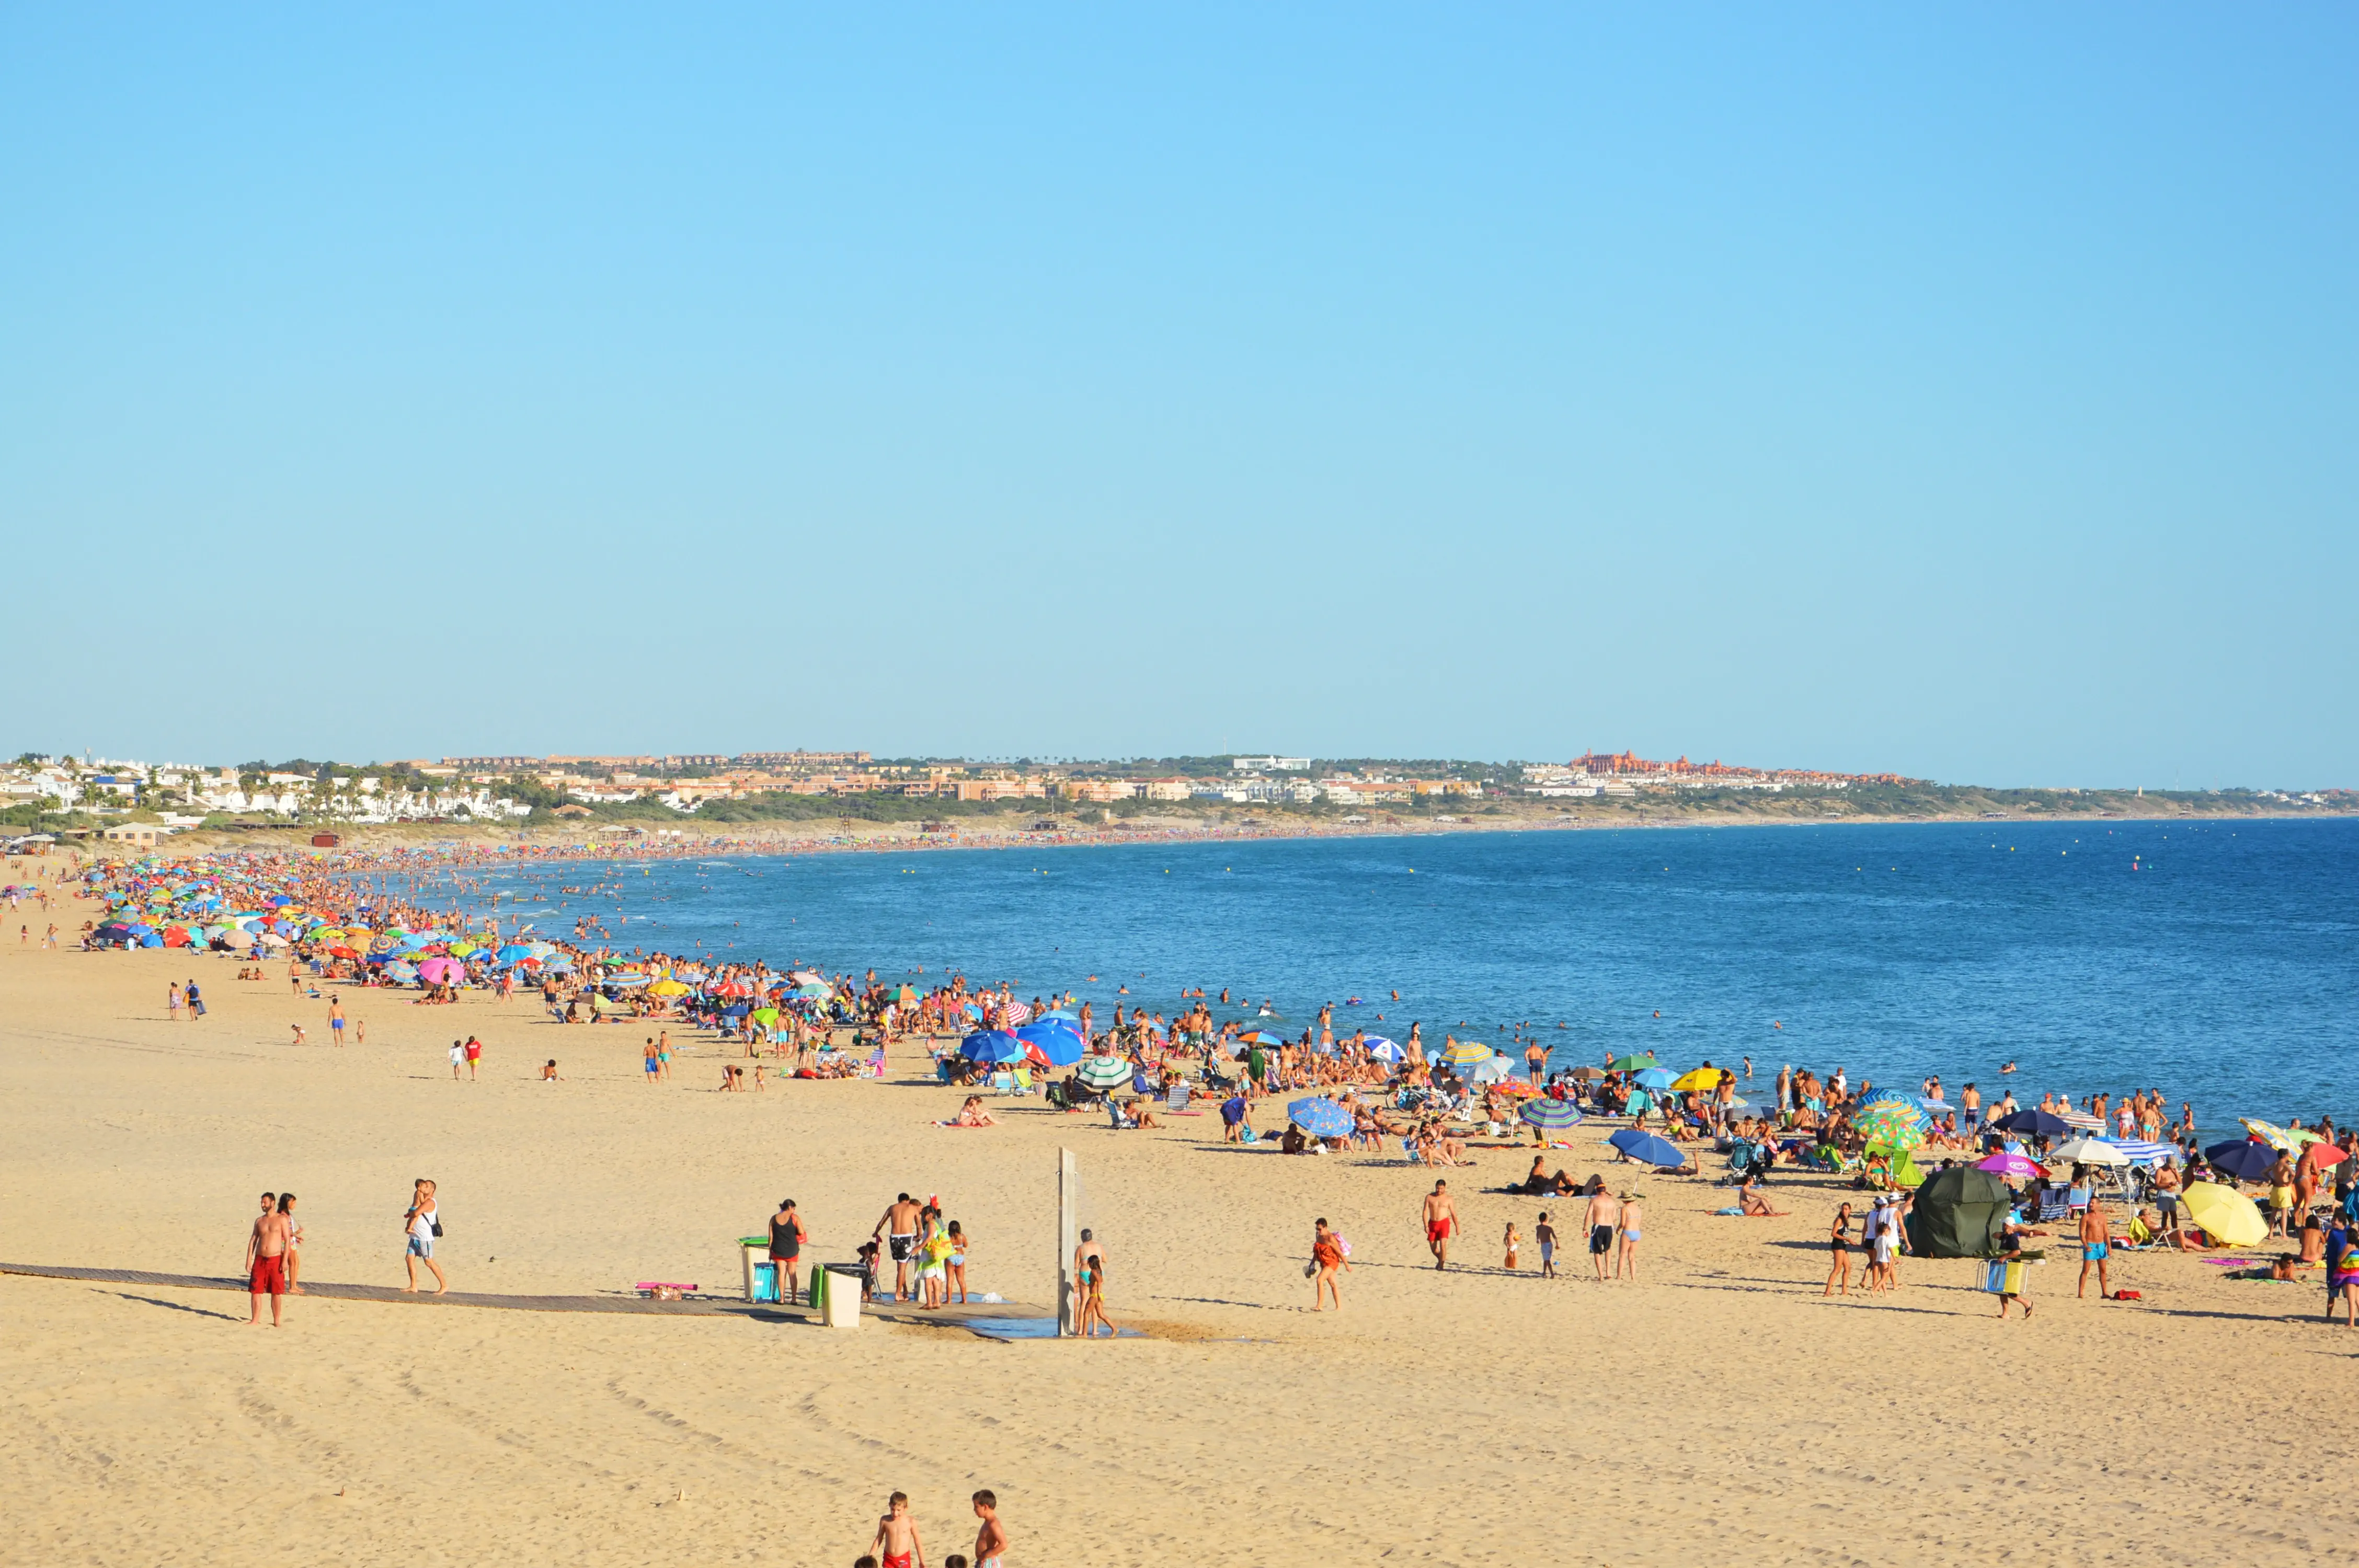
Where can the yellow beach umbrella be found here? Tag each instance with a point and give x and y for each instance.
(1703, 1080)
(667, 987)
(2229, 1215)
(2269, 1132)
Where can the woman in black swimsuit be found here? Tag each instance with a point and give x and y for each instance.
(1839, 1246)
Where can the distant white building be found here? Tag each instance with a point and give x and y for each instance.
(1270, 764)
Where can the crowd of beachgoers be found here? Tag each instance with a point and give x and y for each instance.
(429, 926)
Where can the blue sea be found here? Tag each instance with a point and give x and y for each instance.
(2214, 960)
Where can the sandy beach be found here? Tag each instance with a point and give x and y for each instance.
(1719, 1409)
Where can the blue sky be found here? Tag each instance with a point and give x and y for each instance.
(1963, 391)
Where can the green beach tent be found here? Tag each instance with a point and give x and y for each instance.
(1959, 1213)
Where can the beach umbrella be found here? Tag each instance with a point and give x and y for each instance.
(2228, 1214)
(517, 953)
(2140, 1152)
(1103, 1072)
(1059, 1042)
(2035, 1122)
(814, 990)
(667, 987)
(1648, 1149)
(2012, 1167)
(1319, 1116)
(272, 939)
(1467, 1052)
(1937, 1104)
(441, 971)
(2088, 1151)
(1586, 1074)
(1703, 1080)
(1384, 1049)
(341, 951)
(1897, 1123)
(401, 973)
(1628, 1064)
(627, 980)
(1552, 1114)
(765, 1016)
(1261, 1037)
(2324, 1153)
(1494, 1069)
(992, 1045)
(1888, 1096)
(2246, 1159)
(1655, 1078)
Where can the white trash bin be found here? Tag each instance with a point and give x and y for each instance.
(841, 1307)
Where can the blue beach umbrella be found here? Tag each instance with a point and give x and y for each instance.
(992, 1045)
(1550, 1113)
(1655, 1078)
(2034, 1122)
(1648, 1149)
(1058, 1040)
(2246, 1159)
(1319, 1116)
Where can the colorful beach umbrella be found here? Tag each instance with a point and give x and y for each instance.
(2013, 1167)
(1551, 1114)
(1466, 1054)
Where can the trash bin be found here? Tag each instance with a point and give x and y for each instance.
(839, 1305)
(761, 1280)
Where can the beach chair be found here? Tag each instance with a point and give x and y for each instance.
(1022, 1080)
(1003, 1082)
(1174, 1100)
(876, 1068)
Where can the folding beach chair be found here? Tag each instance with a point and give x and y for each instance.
(1003, 1082)
(1174, 1100)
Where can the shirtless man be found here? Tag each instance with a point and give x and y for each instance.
(991, 1540)
(901, 1241)
(897, 1540)
(2096, 1243)
(265, 1259)
(1603, 1217)
(1441, 1220)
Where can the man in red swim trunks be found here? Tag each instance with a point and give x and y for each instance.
(1441, 1219)
(265, 1259)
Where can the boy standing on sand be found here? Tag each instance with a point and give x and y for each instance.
(991, 1540)
(897, 1540)
(1441, 1219)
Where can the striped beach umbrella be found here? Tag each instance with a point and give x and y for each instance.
(1103, 1072)
(1467, 1054)
(1552, 1114)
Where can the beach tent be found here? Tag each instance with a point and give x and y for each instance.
(1959, 1213)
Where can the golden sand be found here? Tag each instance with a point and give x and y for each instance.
(1718, 1411)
